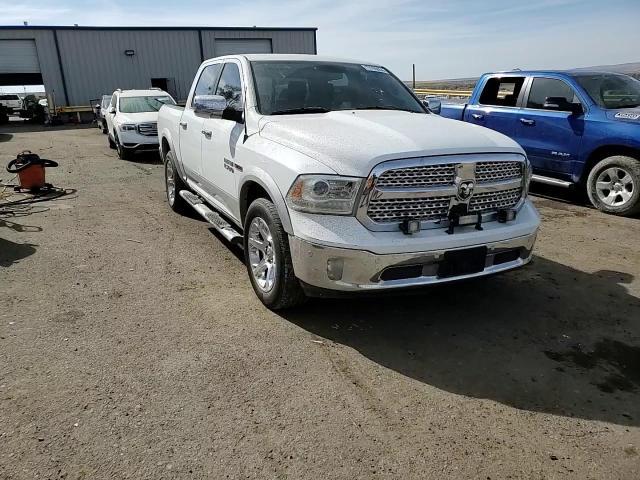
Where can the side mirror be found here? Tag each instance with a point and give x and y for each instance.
(113, 110)
(209, 104)
(561, 104)
(433, 105)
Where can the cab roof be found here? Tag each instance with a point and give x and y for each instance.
(258, 57)
(141, 93)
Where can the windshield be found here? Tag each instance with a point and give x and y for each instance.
(9, 97)
(143, 104)
(314, 87)
(611, 90)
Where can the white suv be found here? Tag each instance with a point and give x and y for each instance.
(132, 120)
(12, 102)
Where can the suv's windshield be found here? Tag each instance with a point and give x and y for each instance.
(143, 104)
(611, 90)
(291, 87)
(9, 97)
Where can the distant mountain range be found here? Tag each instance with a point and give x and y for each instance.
(632, 68)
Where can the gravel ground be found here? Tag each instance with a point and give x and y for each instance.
(132, 346)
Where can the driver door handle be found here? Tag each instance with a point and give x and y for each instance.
(207, 134)
(527, 121)
(477, 116)
(184, 125)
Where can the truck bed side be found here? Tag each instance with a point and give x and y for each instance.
(169, 118)
(453, 110)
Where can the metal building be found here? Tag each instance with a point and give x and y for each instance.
(78, 64)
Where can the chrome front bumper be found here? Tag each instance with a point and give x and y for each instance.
(350, 270)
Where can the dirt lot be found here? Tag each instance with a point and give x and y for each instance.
(132, 346)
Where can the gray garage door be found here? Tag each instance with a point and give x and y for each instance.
(18, 56)
(233, 46)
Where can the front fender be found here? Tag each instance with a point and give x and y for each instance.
(265, 180)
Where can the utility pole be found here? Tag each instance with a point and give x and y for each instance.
(414, 76)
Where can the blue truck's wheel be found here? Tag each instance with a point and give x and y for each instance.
(613, 185)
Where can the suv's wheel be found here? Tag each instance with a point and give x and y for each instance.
(173, 184)
(104, 127)
(613, 185)
(268, 259)
(112, 144)
(123, 153)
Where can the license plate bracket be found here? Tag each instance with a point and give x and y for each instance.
(462, 262)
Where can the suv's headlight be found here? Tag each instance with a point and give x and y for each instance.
(128, 126)
(329, 194)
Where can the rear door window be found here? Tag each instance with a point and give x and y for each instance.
(544, 88)
(502, 91)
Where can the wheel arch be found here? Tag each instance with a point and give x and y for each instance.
(605, 151)
(260, 185)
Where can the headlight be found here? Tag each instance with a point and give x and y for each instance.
(128, 126)
(329, 194)
(528, 172)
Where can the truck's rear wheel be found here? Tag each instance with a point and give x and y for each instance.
(268, 259)
(173, 184)
(613, 185)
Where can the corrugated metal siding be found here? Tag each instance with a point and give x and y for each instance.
(282, 41)
(94, 61)
(47, 57)
(18, 56)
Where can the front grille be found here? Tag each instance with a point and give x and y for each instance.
(148, 129)
(413, 177)
(396, 210)
(431, 188)
(488, 201)
(497, 171)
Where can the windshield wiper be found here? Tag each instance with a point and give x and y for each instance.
(386, 107)
(293, 111)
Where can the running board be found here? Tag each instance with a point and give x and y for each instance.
(220, 224)
(550, 181)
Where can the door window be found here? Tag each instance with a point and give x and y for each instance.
(207, 82)
(544, 88)
(114, 100)
(502, 91)
(230, 85)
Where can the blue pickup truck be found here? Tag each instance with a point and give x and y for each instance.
(578, 128)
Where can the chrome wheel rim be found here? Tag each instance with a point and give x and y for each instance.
(262, 255)
(614, 186)
(171, 183)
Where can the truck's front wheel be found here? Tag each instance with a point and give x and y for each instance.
(268, 259)
(613, 185)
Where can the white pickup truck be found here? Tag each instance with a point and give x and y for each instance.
(336, 178)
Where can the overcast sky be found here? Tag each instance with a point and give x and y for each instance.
(444, 38)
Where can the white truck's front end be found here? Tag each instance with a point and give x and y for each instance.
(403, 231)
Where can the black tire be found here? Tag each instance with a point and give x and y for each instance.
(178, 204)
(618, 163)
(104, 127)
(123, 153)
(112, 144)
(286, 291)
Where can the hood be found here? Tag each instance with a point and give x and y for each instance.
(142, 117)
(631, 115)
(352, 142)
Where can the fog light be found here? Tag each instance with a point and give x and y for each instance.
(335, 267)
(505, 215)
